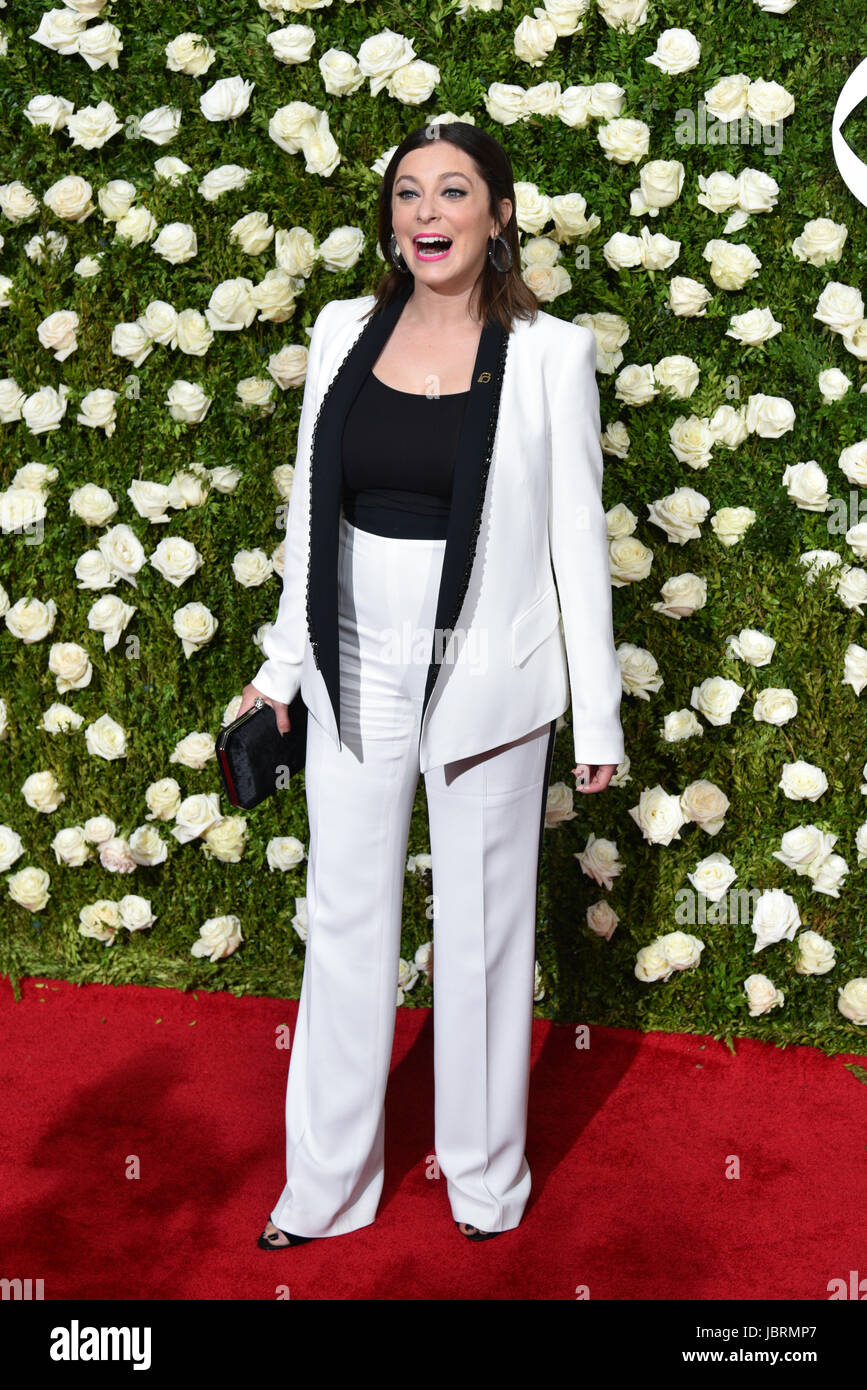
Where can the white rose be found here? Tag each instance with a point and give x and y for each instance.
(70, 198)
(341, 74)
(163, 799)
(651, 963)
(624, 141)
(99, 829)
(658, 815)
(160, 125)
(222, 180)
(381, 54)
(149, 499)
(678, 374)
(727, 101)
(680, 514)
(821, 241)
(775, 706)
(160, 319)
(274, 297)
(852, 1000)
(660, 183)
(71, 665)
(59, 719)
(762, 994)
(136, 226)
(194, 751)
(687, 298)
(109, 615)
(816, 954)
(226, 99)
(768, 102)
(802, 781)
(100, 44)
(769, 416)
(132, 341)
(294, 44)
(12, 398)
(681, 724)
(231, 306)
(776, 917)
(730, 523)
(295, 251)
(634, 385)
(21, 510)
(682, 951)
(95, 505)
(226, 840)
(123, 550)
(91, 127)
(187, 402)
(716, 698)
(833, 384)
(629, 560)
(194, 335)
(602, 919)
(196, 815)
(30, 619)
(71, 847)
(218, 937)
(413, 83)
(559, 803)
(299, 921)
(195, 625)
(105, 738)
(853, 462)
(253, 233)
(705, 804)
(288, 367)
(732, 264)
(852, 588)
(176, 243)
(682, 595)
(840, 306)
(187, 490)
(751, 646)
(135, 912)
(11, 847)
(807, 485)
(29, 887)
(114, 855)
(677, 51)
(599, 860)
(504, 103)
(252, 567)
(44, 409)
(639, 671)
(720, 191)
(49, 111)
(284, 852)
(146, 846)
(753, 327)
(97, 410)
(224, 478)
(99, 920)
(116, 198)
(712, 876)
(176, 559)
(42, 792)
(189, 53)
(57, 332)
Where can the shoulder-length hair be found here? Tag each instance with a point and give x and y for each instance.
(496, 295)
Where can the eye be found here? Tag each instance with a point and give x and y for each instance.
(462, 192)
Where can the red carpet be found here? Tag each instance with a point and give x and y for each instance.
(629, 1146)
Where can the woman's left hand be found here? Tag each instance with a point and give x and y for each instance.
(596, 778)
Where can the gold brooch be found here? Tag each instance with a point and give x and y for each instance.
(485, 376)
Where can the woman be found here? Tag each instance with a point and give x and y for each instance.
(448, 453)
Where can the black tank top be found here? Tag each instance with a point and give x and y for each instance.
(398, 455)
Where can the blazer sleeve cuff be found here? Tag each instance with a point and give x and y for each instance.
(278, 680)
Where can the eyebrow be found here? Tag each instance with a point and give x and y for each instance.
(450, 174)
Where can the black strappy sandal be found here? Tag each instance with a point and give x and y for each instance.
(479, 1235)
(265, 1241)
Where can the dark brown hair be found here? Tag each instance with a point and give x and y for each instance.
(495, 295)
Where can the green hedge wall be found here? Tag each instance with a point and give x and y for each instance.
(159, 696)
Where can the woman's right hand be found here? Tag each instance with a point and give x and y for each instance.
(248, 697)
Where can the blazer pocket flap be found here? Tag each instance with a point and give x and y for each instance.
(534, 625)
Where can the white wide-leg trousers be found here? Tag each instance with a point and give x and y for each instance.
(485, 816)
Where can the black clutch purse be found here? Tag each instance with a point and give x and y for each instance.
(255, 758)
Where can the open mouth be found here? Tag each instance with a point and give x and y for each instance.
(432, 248)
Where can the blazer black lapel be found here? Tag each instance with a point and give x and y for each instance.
(475, 446)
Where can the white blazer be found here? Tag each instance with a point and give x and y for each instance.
(525, 590)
